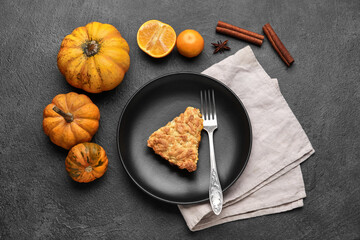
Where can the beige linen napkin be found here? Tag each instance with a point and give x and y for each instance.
(272, 181)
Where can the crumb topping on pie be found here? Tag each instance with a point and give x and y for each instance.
(178, 141)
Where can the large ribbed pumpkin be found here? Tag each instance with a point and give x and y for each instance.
(94, 58)
(86, 161)
(71, 119)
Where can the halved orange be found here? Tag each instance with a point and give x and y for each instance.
(156, 38)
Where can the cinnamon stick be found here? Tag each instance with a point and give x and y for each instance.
(239, 35)
(278, 45)
(240, 30)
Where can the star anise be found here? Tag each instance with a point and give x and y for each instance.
(220, 46)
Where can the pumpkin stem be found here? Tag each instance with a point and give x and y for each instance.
(88, 169)
(91, 48)
(68, 116)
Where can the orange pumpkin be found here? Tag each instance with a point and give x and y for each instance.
(94, 58)
(86, 162)
(71, 119)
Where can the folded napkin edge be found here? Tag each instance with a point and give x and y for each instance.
(258, 213)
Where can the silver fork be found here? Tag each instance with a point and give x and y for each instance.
(208, 111)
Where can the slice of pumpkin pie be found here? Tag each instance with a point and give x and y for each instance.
(178, 141)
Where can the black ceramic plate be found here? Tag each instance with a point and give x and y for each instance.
(157, 103)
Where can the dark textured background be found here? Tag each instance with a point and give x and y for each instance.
(39, 201)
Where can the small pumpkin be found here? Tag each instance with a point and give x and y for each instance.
(94, 58)
(71, 119)
(86, 162)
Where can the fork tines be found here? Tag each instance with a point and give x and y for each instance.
(207, 101)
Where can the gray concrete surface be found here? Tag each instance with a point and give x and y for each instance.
(39, 201)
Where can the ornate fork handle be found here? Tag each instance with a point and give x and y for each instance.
(215, 191)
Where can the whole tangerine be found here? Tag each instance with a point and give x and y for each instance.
(190, 43)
